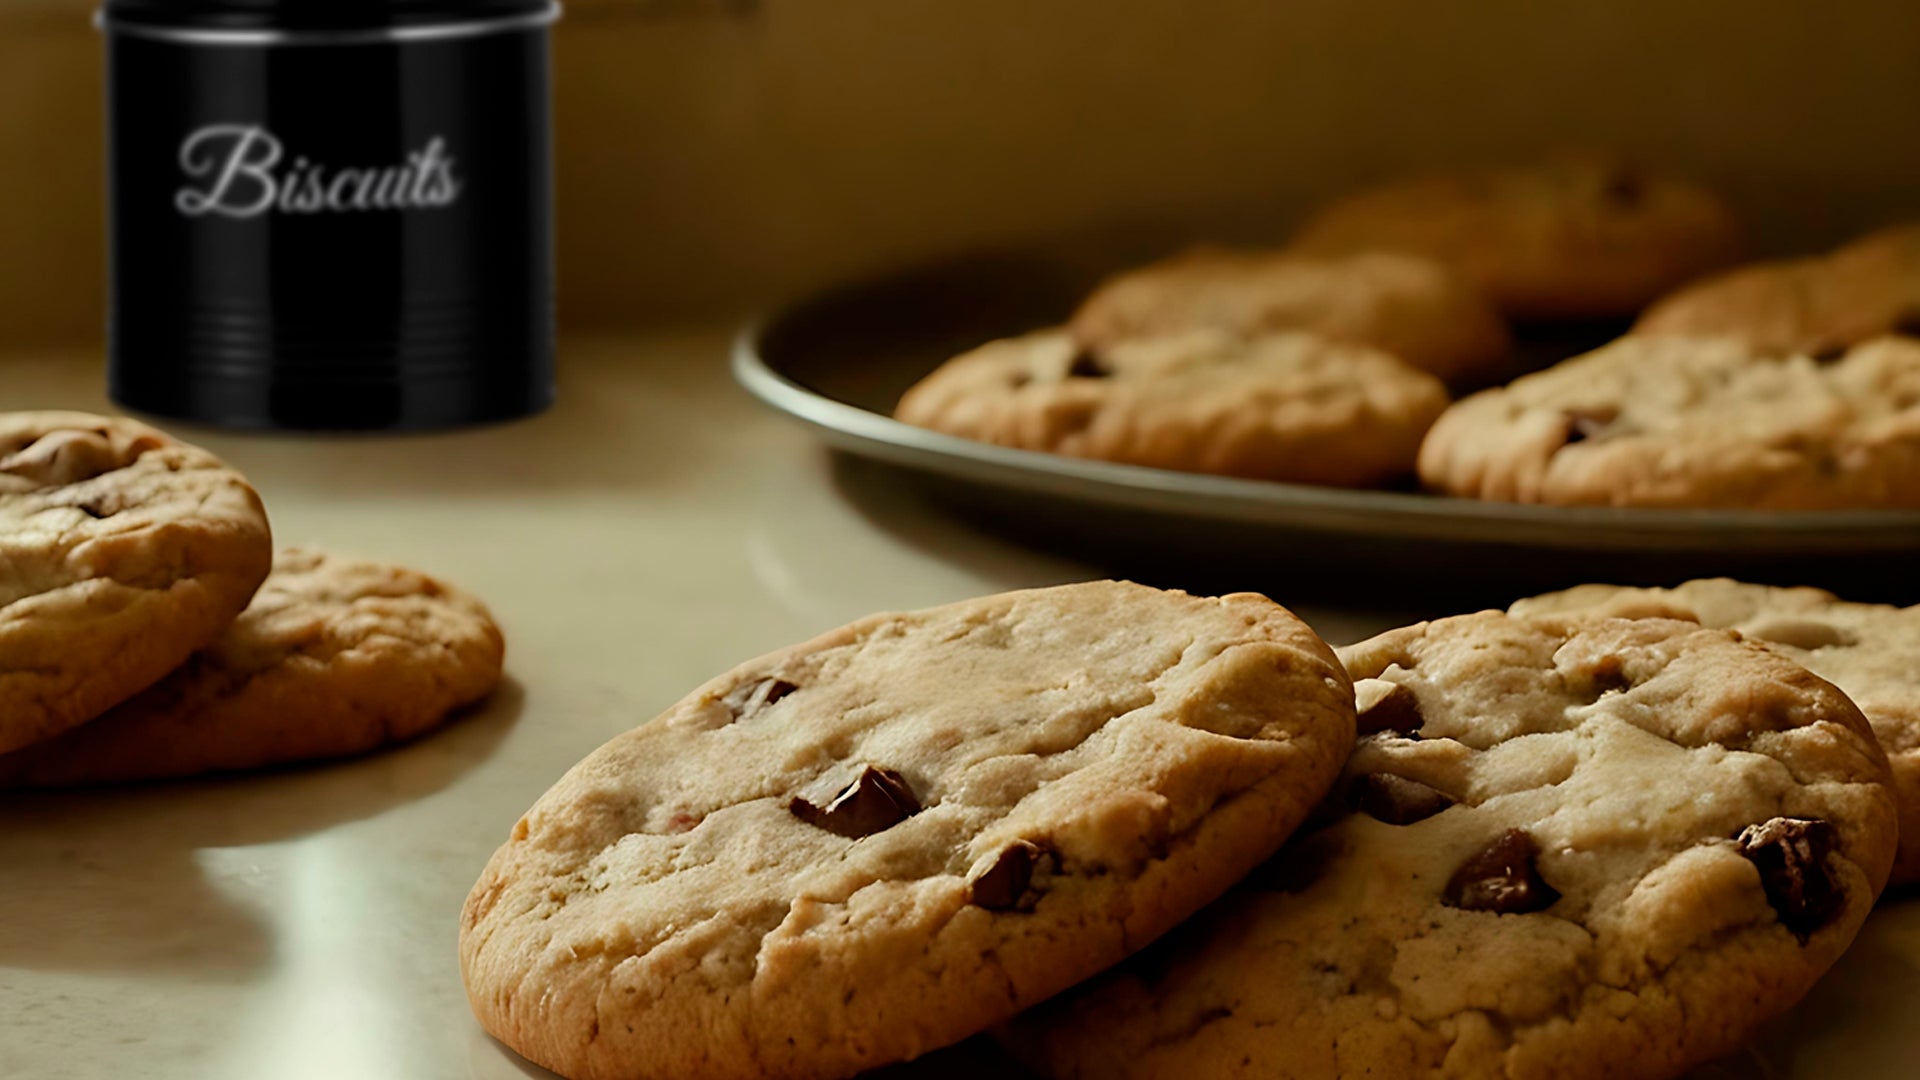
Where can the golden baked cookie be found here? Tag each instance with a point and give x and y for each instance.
(1574, 238)
(1820, 305)
(879, 842)
(1700, 422)
(121, 552)
(1870, 651)
(1288, 406)
(334, 657)
(1565, 849)
(1893, 250)
(1412, 307)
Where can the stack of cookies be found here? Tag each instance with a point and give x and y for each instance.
(1332, 361)
(149, 630)
(1137, 833)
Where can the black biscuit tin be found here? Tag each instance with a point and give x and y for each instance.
(330, 214)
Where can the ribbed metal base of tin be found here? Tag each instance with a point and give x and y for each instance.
(265, 396)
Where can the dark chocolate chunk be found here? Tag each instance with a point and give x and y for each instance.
(876, 801)
(1908, 324)
(1397, 711)
(1087, 366)
(1003, 886)
(1791, 855)
(1396, 800)
(750, 698)
(1501, 878)
(1828, 352)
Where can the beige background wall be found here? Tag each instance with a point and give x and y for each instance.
(717, 153)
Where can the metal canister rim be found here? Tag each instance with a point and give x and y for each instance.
(544, 15)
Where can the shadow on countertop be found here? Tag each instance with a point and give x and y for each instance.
(110, 879)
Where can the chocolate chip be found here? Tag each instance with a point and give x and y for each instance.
(1791, 855)
(1396, 800)
(1087, 366)
(1501, 878)
(1004, 885)
(1907, 324)
(1398, 711)
(750, 698)
(878, 800)
(1828, 352)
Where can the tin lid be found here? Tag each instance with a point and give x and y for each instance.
(324, 16)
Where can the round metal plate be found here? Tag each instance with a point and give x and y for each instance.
(838, 362)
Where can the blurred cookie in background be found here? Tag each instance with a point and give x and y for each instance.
(1288, 406)
(1692, 422)
(1412, 307)
(1575, 237)
(1819, 305)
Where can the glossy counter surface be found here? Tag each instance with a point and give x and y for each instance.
(652, 530)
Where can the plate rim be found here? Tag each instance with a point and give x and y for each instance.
(1223, 498)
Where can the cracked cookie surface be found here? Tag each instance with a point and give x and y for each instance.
(1692, 422)
(334, 657)
(1411, 307)
(1870, 651)
(121, 552)
(1575, 847)
(1285, 406)
(1577, 237)
(881, 841)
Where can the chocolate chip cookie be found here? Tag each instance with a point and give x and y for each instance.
(1414, 308)
(1289, 406)
(1870, 651)
(334, 657)
(1692, 422)
(1821, 305)
(860, 848)
(1579, 237)
(121, 552)
(1565, 848)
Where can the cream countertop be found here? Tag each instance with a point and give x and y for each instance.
(652, 530)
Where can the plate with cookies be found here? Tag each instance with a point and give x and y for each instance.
(1541, 374)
